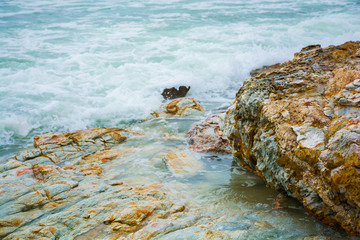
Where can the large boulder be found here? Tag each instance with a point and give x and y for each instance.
(297, 126)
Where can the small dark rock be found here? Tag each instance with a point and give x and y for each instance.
(172, 93)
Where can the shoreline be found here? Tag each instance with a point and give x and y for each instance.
(131, 183)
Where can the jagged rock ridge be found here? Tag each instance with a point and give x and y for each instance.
(296, 125)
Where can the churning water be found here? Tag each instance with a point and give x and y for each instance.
(73, 64)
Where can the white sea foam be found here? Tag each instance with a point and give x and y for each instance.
(75, 64)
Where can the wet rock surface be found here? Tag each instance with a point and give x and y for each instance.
(60, 190)
(182, 107)
(182, 162)
(100, 183)
(172, 93)
(296, 125)
(206, 136)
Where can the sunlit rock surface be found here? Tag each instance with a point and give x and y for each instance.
(296, 125)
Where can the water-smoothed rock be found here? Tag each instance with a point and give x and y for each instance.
(78, 193)
(206, 136)
(182, 107)
(296, 125)
(72, 197)
(182, 163)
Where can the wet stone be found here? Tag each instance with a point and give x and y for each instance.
(183, 163)
(172, 93)
(182, 107)
(297, 139)
(206, 136)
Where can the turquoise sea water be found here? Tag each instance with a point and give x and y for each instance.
(67, 65)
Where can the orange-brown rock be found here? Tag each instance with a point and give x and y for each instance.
(76, 137)
(182, 107)
(105, 156)
(183, 162)
(296, 125)
(342, 77)
(97, 170)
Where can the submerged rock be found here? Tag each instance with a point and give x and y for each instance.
(297, 126)
(206, 136)
(80, 185)
(60, 190)
(183, 107)
(183, 163)
(172, 93)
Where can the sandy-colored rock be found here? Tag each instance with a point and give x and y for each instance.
(342, 77)
(357, 54)
(316, 237)
(182, 107)
(296, 125)
(131, 216)
(57, 147)
(183, 162)
(206, 136)
(80, 137)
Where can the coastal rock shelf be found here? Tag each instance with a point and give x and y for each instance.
(59, 190)
(170, 176)
(67, 187)
(296, 125)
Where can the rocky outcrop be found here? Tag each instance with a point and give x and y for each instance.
(296, 125)
(206, 136)
(113, 183)
(60, 190)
